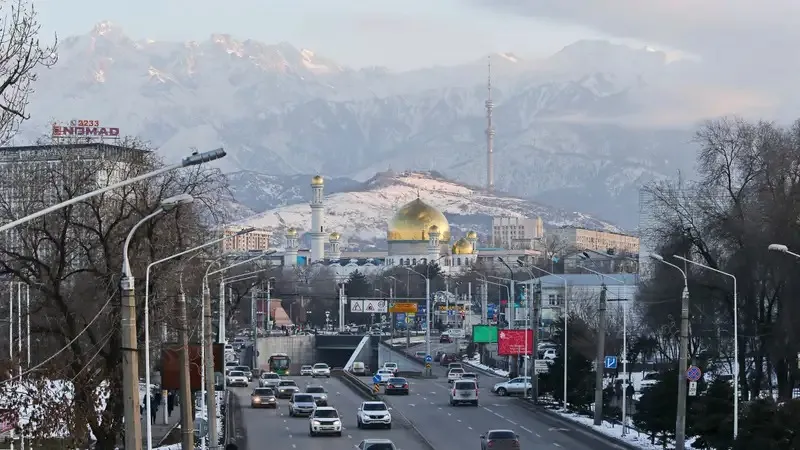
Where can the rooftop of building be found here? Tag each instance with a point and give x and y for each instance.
(570, 227)
(587, 279)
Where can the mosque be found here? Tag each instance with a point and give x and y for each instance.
(418, 233)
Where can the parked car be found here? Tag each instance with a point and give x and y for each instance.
(325, 420)
(464, 392)
(396, 385)
(301, 405)
(371, 414)
(263, 398)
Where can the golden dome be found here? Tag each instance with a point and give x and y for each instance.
(462, 247)
(291, 232)
(433, 229)
(472, 235)
(317, 180)
(335, 236)
(414, 219)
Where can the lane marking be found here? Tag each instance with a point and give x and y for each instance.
(529, 431)
(349, 437)
(538, 435)
(556, 444)
(469, 428)
(512, 422)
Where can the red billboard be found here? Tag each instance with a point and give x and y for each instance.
(514, 342)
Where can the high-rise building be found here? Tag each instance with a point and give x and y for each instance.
(256, 240)
(516, 232)
(573, 238)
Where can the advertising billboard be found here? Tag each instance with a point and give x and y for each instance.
(484, 334)
(514, 342)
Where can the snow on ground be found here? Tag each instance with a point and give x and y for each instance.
(640, 440)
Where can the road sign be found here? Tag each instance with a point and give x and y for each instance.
(427, 365)
(404, 308)
(201, 427)
(610, 362)
(693, 373)
(692, 388)
(376, 388)
(357, 306)
(376, 379)
(428, 358)
(376, 306)
(541, 366)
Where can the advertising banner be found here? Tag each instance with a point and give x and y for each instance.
(484, 334)
(514, 342)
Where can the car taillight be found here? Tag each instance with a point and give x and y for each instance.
(454, 392)
(490, 444)
(405, 386)
(515, 444)
(476, 392)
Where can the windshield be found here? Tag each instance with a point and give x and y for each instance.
(502, 435)
(243, 368)
(380, 446)
(374, 407)
(287, 383)
(397, 380)
(230, 364)
(651, 376)
(303, 399)
(390, 365)
(236, 373)
(465, 385)
(469, 375)
(315, 390)
(326, 414)
(320, 366)
(270, 376)
(306, 367)
(280, 362)
(456, 370)
(263, 391)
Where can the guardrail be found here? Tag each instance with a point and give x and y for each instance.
(362, 389)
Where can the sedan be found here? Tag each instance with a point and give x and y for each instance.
(321, 370)
(237, 378)
(287, 388)
(306, 371)
(396, 386)
(376, 444)
(500, 440)
(263, 398)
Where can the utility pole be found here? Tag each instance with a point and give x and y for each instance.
(268, 311)
(535, 297)
(601, 349)
(130, 367)
(254, 321)
(221, 333)
(512, 318)
(680, 422)
(392, 315)
(187, 419)
(211, 394)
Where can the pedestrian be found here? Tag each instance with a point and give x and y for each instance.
(153, 409)
(170, 403)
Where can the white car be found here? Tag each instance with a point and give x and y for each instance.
(649, 380)
(306, 371)
(237, 378)
(519, 385)
(392, 366)
(549, 353)
(269, 379)
(374, 414)
(384, 375)
(454, 374)
(321, 370)
(325, 420)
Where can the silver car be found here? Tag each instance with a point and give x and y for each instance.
(302, 405)
(376, 444)
(269, 379)
(465, 391)
(287, 388)
(319, 394)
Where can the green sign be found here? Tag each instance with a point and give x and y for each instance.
(484, 334)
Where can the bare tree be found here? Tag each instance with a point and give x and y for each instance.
(21, 54)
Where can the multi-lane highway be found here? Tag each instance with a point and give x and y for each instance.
(448, 427)
(268, 428)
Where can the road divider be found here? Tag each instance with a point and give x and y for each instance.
(363, 390)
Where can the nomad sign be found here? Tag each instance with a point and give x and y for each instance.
(85, 128)
(407, 308)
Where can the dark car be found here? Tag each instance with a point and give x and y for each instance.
(396, 385)
(500, 440)
(445, 339)
(263, 398)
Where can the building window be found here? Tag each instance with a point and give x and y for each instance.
(414, 261)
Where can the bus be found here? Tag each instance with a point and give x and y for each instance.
(279, 363)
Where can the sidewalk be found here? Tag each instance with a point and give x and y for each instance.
(159, 429)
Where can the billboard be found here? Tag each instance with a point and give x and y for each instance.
(171, 365)
(484, 334)
(514, 342)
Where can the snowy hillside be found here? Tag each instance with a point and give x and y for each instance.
(363, 215)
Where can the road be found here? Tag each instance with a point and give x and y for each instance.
(449, 427)
(268, 428)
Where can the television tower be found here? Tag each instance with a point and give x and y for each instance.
(489, 135)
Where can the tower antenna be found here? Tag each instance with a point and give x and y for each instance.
(489, 134)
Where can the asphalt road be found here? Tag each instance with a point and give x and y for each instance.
(268, 428)
(458, 427)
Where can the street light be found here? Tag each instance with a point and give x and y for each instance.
(192, 160)
(427, 311)
(148, 426)
(783, 249)
(130, 360)
(565, 313)
(735, 336)
(680, 420)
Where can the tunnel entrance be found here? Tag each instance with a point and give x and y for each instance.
(334, 357)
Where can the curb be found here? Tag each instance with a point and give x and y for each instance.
(171, 429)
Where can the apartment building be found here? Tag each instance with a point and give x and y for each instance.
(256, 240)
(578, 239)
(516, 232)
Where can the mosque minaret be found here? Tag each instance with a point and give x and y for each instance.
(318, 234)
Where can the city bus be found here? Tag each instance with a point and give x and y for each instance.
(279, 363)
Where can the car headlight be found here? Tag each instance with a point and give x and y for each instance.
(323, 396)
(337, 423)
(316, 422)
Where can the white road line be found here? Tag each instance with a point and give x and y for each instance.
(294, 446)
(538, 435)
(459, 420)
(500, 416)
(449, 414)
(512, 422)
(529, 431)
(469, 428)
(556, 444)
(349, 437)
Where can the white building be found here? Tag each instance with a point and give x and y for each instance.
(516, 232)
(577, 239)
(255, 240)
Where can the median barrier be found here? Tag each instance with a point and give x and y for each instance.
(362, 389)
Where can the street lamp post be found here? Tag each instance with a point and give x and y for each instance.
(192, 160)
(427, 313)
(683, 350)
(735, 340)
(130, 357)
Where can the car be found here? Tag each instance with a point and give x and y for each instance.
(469, 376)
(420, 354)
(246, 370)
(454, 365)
(269, 379)
(319, 394)
(396, 385)
(301, 405)
(384, 375)
(374, 414)
(263, 398)
(549, 353)
(228, 348)
(287, 388)
(649, 380)
(464, 392)
(454, 374)
(237, 378)
(445, 339)
(376, 444)
(359, 368)
(391, 366)
(519, 385)
(324, 420)
(500, 440)
(321, 370)
(230, 365)
(306, 371)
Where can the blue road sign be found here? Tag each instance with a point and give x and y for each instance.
(611, 362)
(693, 373)
(428, 358)
(376, 379)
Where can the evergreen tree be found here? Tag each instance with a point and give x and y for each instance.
(657, 408)
(580, 377)
(711, 417)
(766, 425)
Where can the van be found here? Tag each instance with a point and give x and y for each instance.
(464, 392)
(359, 368)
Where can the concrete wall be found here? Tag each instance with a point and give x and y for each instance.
(386, 354)
(299, 348)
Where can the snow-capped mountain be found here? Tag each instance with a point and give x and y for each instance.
(572, 130)
(362, 215)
